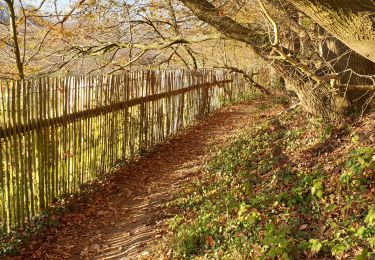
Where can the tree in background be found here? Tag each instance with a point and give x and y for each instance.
(313, 62)
(304, 48)
(91, 37)
(322, 49)
(151, 34)
(33, 38)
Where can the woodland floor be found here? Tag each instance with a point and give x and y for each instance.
(124, 216)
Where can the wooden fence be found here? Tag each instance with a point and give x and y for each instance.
(59, 133)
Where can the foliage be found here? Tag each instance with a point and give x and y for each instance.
(253, 202)
(358, 166)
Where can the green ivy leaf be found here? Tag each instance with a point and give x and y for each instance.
(360, 231)
(315, 245)
(317, 189)
(363, 255)
(370, 218)
(355, 139)
(339, 249)
(331, 207)
(371, 242)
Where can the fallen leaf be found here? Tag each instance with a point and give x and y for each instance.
(101, 213)
(303, 227)
(210, 241)
(96, 246)
(84, 252)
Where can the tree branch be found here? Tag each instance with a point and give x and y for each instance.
(249, 79)
(98, 50)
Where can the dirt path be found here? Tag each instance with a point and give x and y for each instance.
(125, 215)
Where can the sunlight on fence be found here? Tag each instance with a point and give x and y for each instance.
(59, 133)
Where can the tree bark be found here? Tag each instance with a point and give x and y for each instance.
(353, 68)
(318, 100)
(351, 21)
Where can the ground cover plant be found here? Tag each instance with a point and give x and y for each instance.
(281, 191)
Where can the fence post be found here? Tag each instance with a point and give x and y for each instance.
(58, 133)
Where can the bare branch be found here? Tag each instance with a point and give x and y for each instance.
(99, 50)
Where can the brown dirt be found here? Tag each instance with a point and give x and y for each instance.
(124, 215)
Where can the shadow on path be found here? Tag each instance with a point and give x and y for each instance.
(125, 217)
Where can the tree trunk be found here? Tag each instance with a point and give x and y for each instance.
(353, 68)
(14, 35)
(319, 101)
(351, 21)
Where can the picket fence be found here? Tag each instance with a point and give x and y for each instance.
(58, 133)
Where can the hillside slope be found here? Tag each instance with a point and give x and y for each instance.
(285, 189)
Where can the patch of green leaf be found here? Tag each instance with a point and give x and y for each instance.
(253, 203)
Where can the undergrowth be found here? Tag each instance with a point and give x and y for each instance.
(51, 217)
(260, 198)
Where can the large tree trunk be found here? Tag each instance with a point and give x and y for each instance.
(353, 68)
(317, 100)
(351, 21)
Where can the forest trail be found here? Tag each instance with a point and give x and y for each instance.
(125, 215)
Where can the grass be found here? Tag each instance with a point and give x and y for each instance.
(276, 193)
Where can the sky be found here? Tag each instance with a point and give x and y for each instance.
(61, 4)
